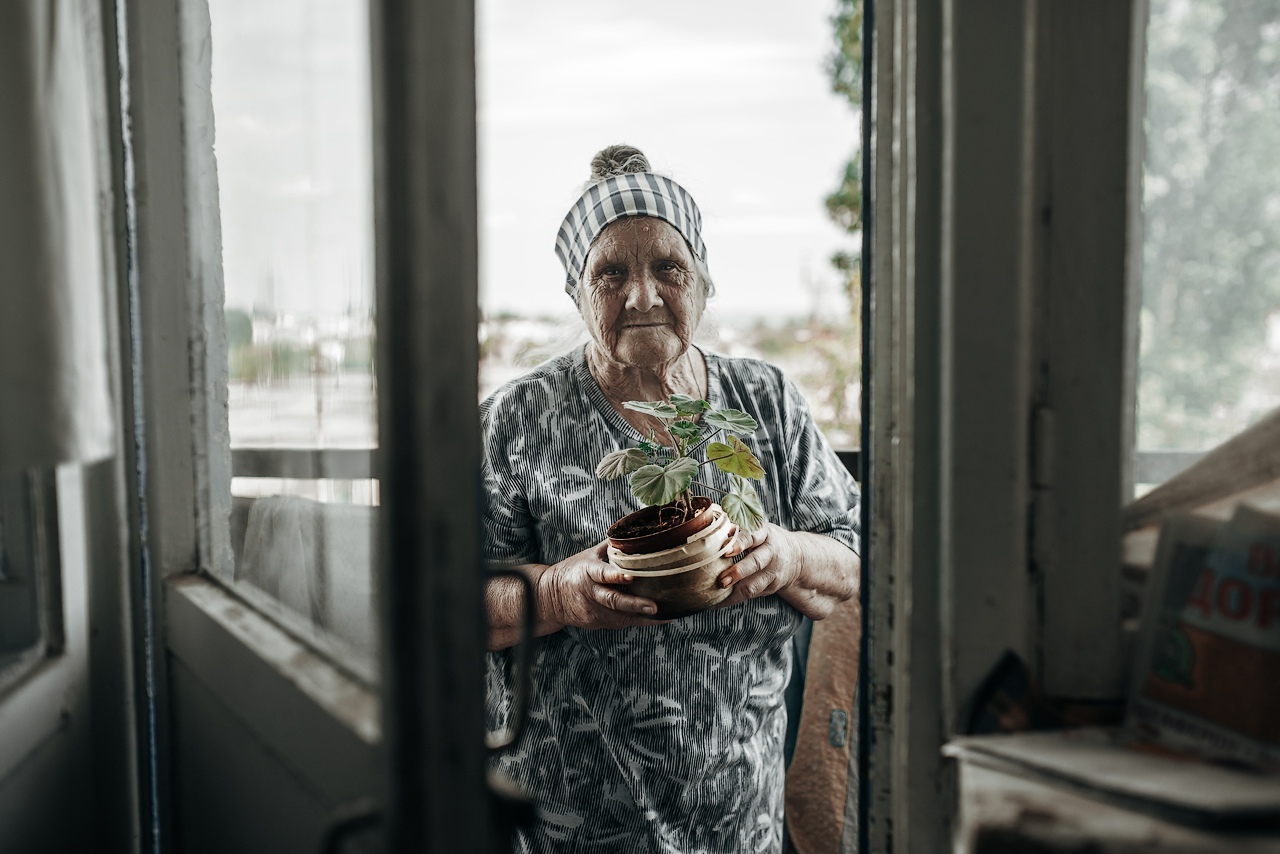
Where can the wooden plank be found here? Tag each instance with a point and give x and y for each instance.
(1099, 762)
(985, 471)
(1002, 810)
(1086, 111)
(1250, 459)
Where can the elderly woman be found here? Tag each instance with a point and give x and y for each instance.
(649, 736)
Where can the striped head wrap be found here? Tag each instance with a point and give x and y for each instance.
(630, 194)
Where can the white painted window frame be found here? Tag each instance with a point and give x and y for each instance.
(1003, 217)
(287, 694)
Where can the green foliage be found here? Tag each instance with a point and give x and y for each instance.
(732, 420)
(844, 204)
(686, 430)
(743, 505)
(689, 406)
(840, 351)
(663, 475)
(239, 328)
(654, 484)
(1211, 259)
(621, 463)
(258, 362)
(735, 458)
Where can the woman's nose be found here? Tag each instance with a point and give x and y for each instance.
(643, 293)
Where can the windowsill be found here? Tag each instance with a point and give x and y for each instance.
(1096, 765)
(315, 716)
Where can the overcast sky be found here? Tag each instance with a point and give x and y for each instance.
(729, 98)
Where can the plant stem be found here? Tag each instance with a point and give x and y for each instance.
(709, 486)
(703, 441)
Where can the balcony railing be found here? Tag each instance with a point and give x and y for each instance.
(1150, 467)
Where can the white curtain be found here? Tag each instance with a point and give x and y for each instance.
(54, 400)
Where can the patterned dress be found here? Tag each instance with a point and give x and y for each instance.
(665, 739)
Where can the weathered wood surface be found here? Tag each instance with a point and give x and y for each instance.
(1245, 467)
(1008, 808)
(1084, 99)
(1097, 762)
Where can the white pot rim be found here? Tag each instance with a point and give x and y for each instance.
(706, 546)
(679, 570)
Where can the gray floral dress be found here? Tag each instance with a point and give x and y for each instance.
(663, 739)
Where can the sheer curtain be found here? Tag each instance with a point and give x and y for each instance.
(54, 400)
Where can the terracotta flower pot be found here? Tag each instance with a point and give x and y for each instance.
(658, 540)
(680, 576)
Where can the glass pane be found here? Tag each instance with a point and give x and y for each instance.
(1210, 319)
(291, 101)
(29, 627)
(736, 103)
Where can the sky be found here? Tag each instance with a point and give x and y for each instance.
(729, 98)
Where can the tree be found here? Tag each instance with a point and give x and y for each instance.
(1211, 260)
(844, 205)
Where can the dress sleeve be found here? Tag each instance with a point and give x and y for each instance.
(508, 530)
(825, 499)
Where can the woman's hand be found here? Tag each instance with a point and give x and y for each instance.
(812, 572)
(579, 591)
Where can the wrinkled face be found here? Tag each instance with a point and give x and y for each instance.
(641, 297)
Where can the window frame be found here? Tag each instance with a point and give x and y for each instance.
(29, 513)
(994, 508)
(173, 310)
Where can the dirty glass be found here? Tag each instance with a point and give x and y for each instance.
(291, 96)
(1209, 363)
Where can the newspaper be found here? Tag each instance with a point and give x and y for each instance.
(1207, 666)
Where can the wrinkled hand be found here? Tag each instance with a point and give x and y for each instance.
(579, 591)
(776, 563)
(771, 566)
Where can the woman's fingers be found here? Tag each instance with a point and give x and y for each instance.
(754, 542)
(745, 541)
(607, 574)
(616, 600)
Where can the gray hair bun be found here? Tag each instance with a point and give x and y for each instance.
(617, 160)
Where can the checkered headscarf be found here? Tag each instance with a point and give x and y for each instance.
(631, 194)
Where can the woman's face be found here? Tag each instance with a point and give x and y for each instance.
(641, 298)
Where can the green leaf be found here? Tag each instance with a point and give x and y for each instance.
(621, 462)
(686, 430)
(735, 458)
(732, 420)
(743, 506)
(651, 448)
(654, 484)
(656, 408)
(686, 405)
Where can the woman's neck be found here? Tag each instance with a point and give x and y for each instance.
(687, 375)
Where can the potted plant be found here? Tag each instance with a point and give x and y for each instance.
(674, 547)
